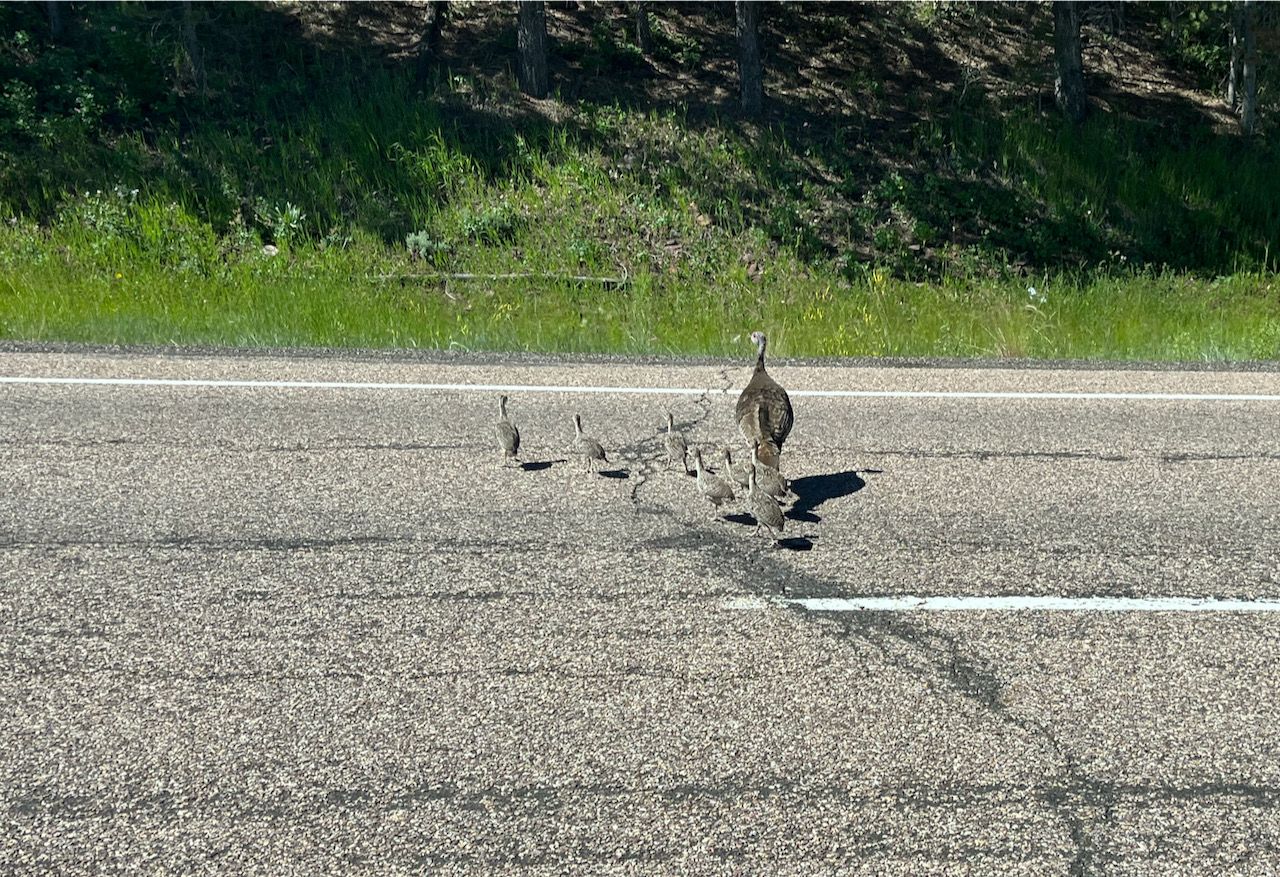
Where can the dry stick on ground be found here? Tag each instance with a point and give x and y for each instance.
(520, 275)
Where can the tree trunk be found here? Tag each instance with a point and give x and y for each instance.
(429, 45)
(1248, 70)
(750, 71)
(54, 10)
(644, 36)
(531, 39)
(1068, 86)
(195, 56)
(1236, 42)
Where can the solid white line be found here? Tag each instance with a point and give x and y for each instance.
(657, 391)
(352, 385)
(1032, 604)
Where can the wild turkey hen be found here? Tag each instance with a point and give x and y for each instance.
(764, 411)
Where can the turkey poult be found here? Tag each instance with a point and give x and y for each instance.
(508, 435)
(764, 411)
(714, 488)
(676, 445)
(764, 508)
(588, 448)
(737, 472)
(769, 479)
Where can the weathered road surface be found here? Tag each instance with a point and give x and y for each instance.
(301, 630)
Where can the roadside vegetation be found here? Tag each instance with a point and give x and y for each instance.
(299, 175)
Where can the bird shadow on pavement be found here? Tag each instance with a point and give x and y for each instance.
(813, 490)
(540, 465)
(788, 543)
(615, 473)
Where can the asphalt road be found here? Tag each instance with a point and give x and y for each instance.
(302, 630)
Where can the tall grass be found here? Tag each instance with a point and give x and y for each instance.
(308, 296)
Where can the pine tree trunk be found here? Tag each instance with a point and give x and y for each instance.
(531, 40)
(429, 45)
(191, 41)
(1068, 86)
(1248, 71)
(644, 36)
(750, 70)
(54, 10)
(1233, 75)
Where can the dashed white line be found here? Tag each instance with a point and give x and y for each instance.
(1019, 603)
(651, 391)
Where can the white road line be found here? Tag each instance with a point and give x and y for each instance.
(1031, 604)
(655, 391)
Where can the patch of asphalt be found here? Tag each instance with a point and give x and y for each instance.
(1085, 801)
(935, 657)
(495, 357)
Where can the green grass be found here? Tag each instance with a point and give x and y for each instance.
(309, 296)
(137, 212)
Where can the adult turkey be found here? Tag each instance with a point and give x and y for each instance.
(764, 411)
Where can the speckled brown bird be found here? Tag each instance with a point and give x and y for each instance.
(769, 479)
(508, 434)
(713, 487)
(588, 448)
(737, 472)
(676, 445)
(763, 411)
(765, 508)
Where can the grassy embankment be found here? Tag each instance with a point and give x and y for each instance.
(131, 224)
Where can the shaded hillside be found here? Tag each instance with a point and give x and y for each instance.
(919, 137)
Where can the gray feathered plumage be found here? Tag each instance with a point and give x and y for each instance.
(764, 508)
(769, 479)
(676, 444)
(737, 472)
(713, 487)
(508, 434)
(588, 448)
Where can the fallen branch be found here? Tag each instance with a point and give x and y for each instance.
(530, 275)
